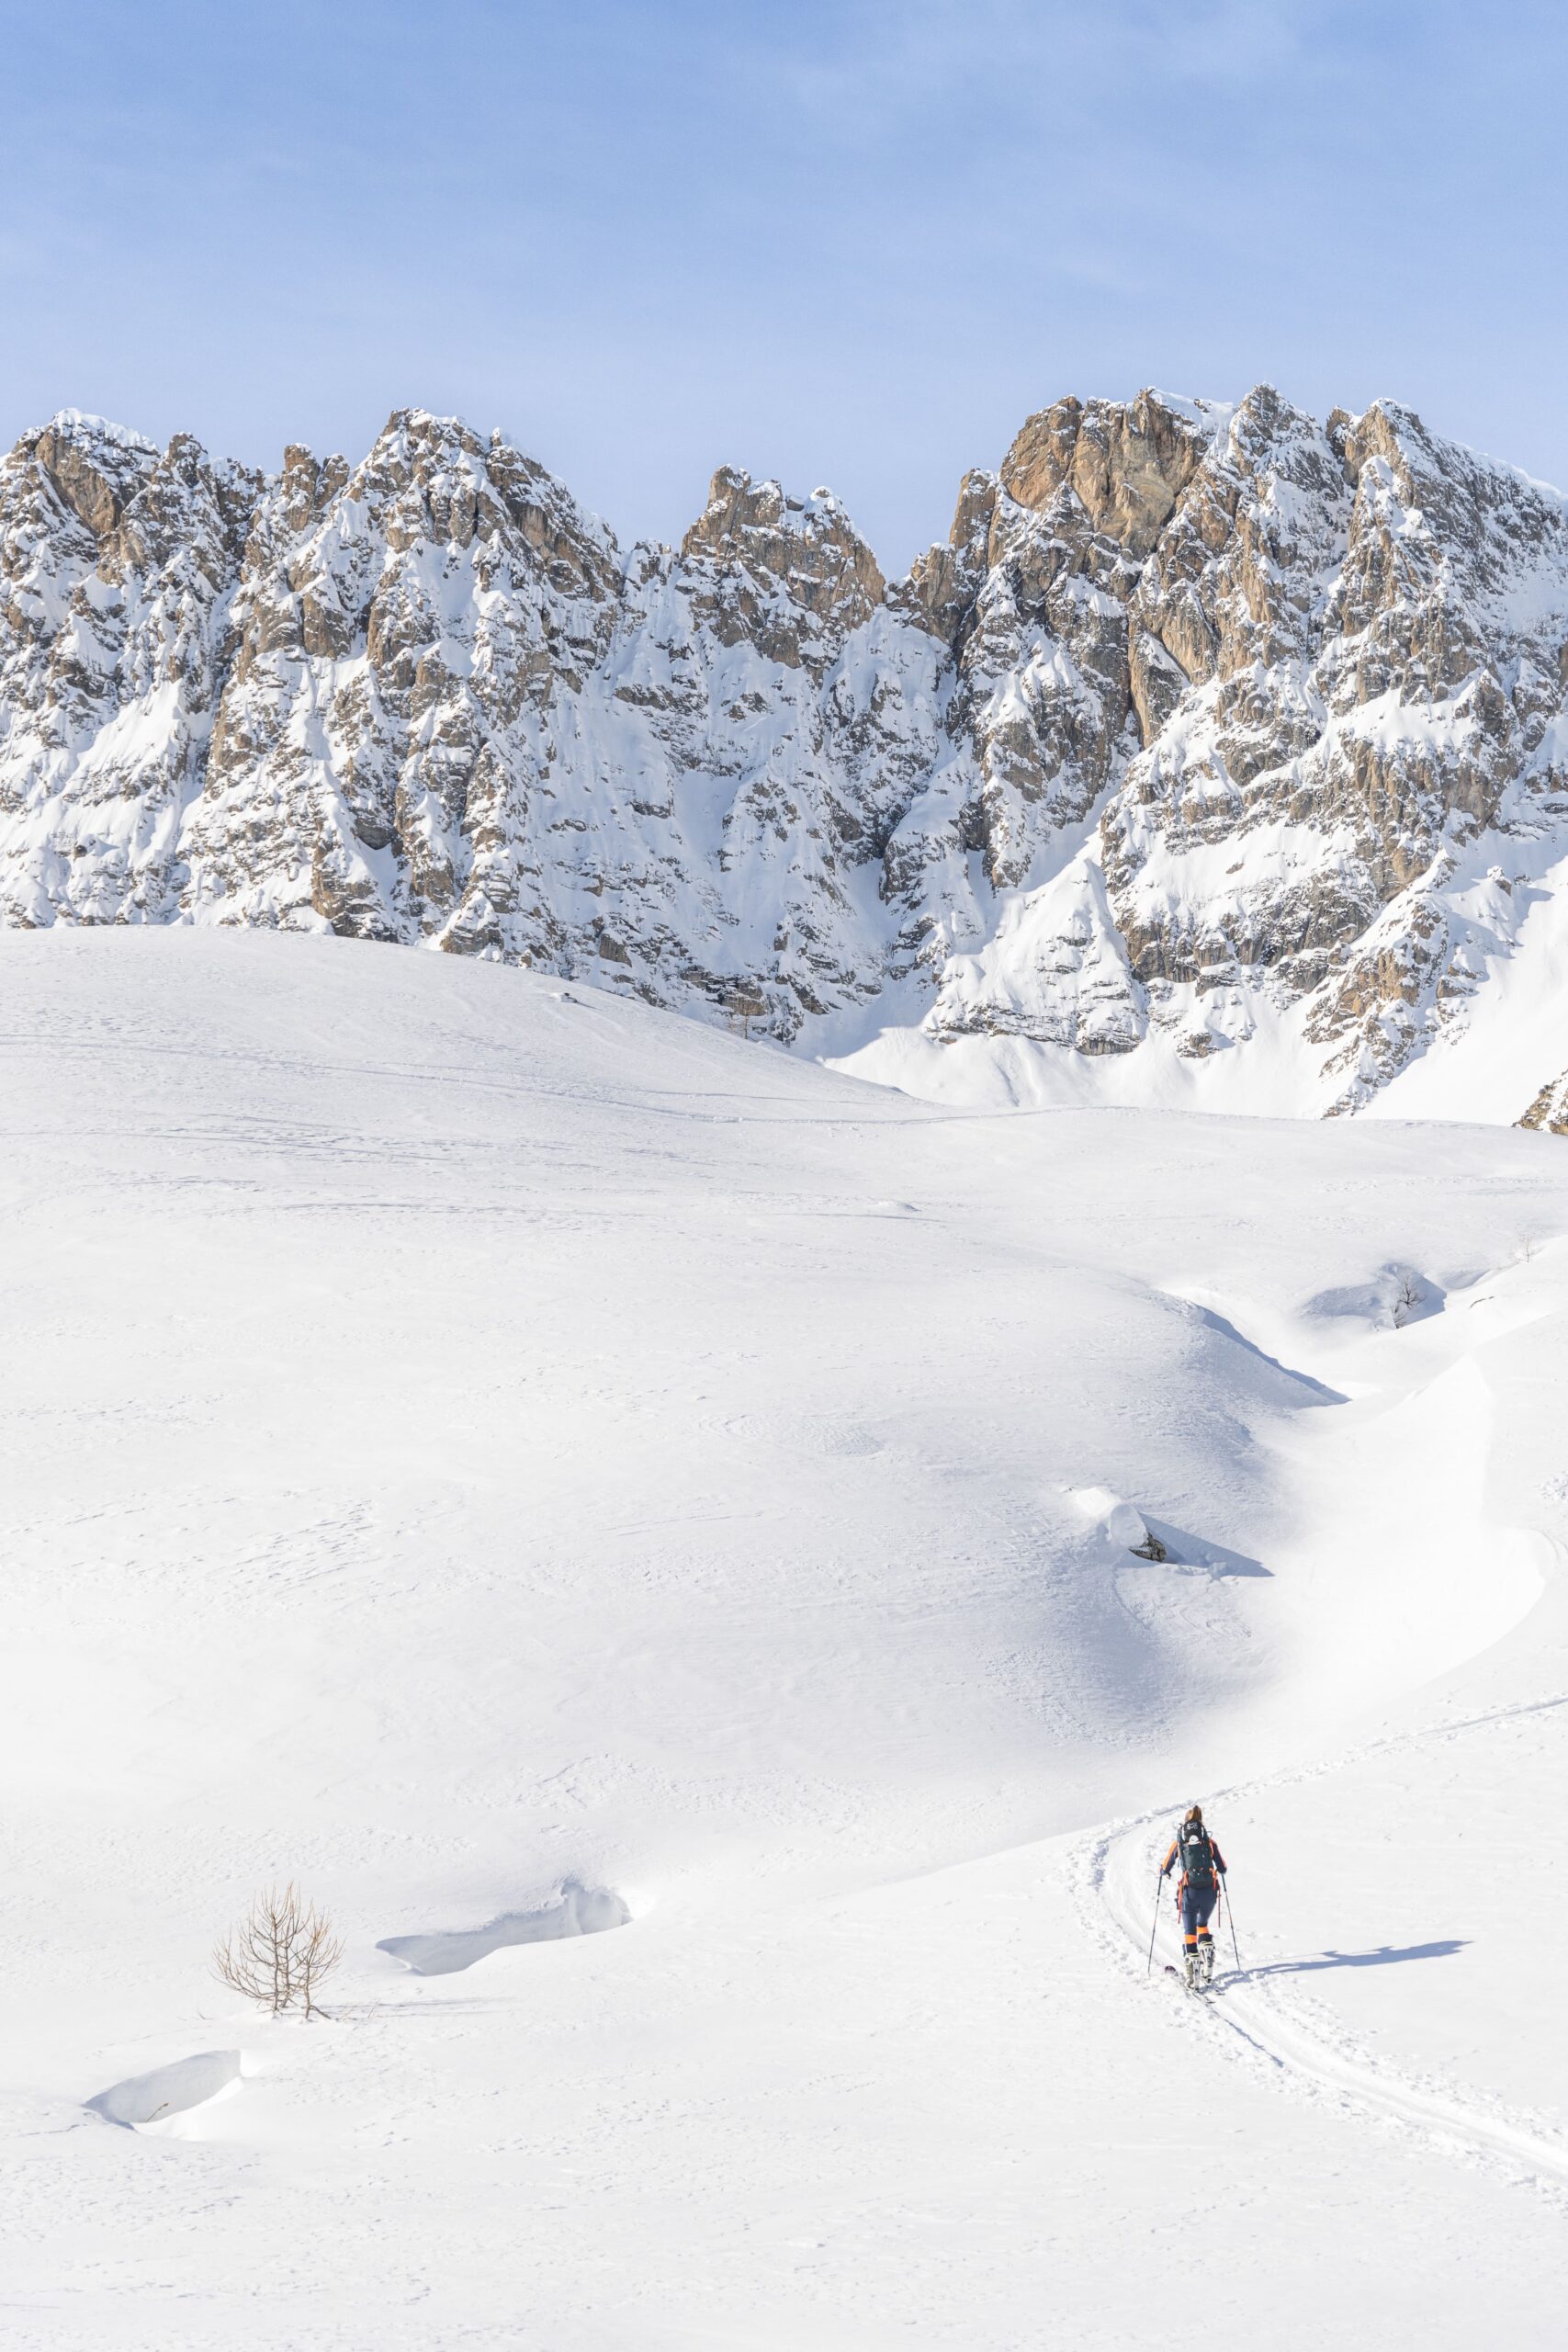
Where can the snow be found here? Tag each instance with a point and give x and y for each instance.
(83, 421)
(1211, 416)
(1516, 1026)
(503, 1456)
(148, 2100)
(575, 1911)
(1054, 945)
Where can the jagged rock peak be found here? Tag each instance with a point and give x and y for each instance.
(428, 478)
(808, 544)
(93, 466)
(943, 585)
(1204, 722)
(1127, 464)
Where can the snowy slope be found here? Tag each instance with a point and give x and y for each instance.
(469, 1439)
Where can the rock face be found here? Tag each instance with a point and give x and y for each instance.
(1549, 1109)
(1205, 725)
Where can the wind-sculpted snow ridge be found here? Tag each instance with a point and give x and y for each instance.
(573, 1911)
(1219, 756)
(147, 2100)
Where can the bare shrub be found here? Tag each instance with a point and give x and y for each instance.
(280, 1953)
(1406, 1298)
(320, 1951)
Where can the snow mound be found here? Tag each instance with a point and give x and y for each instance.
(575, 1911)
(1123, 1521)
(168, 2090)
(1197, 1555)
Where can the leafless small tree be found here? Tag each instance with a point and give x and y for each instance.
(1407, 1299)
(319, 1953)
(280, 1953)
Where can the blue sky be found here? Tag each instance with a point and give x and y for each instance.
(852, 243)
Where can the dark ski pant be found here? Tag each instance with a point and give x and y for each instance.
(1197, 1910)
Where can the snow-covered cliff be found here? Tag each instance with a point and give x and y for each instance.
(1214, 745)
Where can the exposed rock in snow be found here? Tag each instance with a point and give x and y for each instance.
(1550, 1109)
(1204, 723)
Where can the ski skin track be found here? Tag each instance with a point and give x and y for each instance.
(1114, 1867)
(1113, 1864)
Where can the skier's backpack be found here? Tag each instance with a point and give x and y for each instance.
(1197, 1857)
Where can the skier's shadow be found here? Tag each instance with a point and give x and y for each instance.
(1384, 1957)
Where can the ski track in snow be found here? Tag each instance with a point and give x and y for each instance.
(1118, 1864)
(1115, 1870)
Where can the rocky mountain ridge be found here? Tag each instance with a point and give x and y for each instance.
(1211, 737)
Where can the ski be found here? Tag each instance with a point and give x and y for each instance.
(1212, 1984)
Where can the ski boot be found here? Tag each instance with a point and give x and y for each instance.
(1191, 1969)
(1206, 1964)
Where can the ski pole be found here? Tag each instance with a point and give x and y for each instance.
(1230, 1914)
(1155, 1929)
